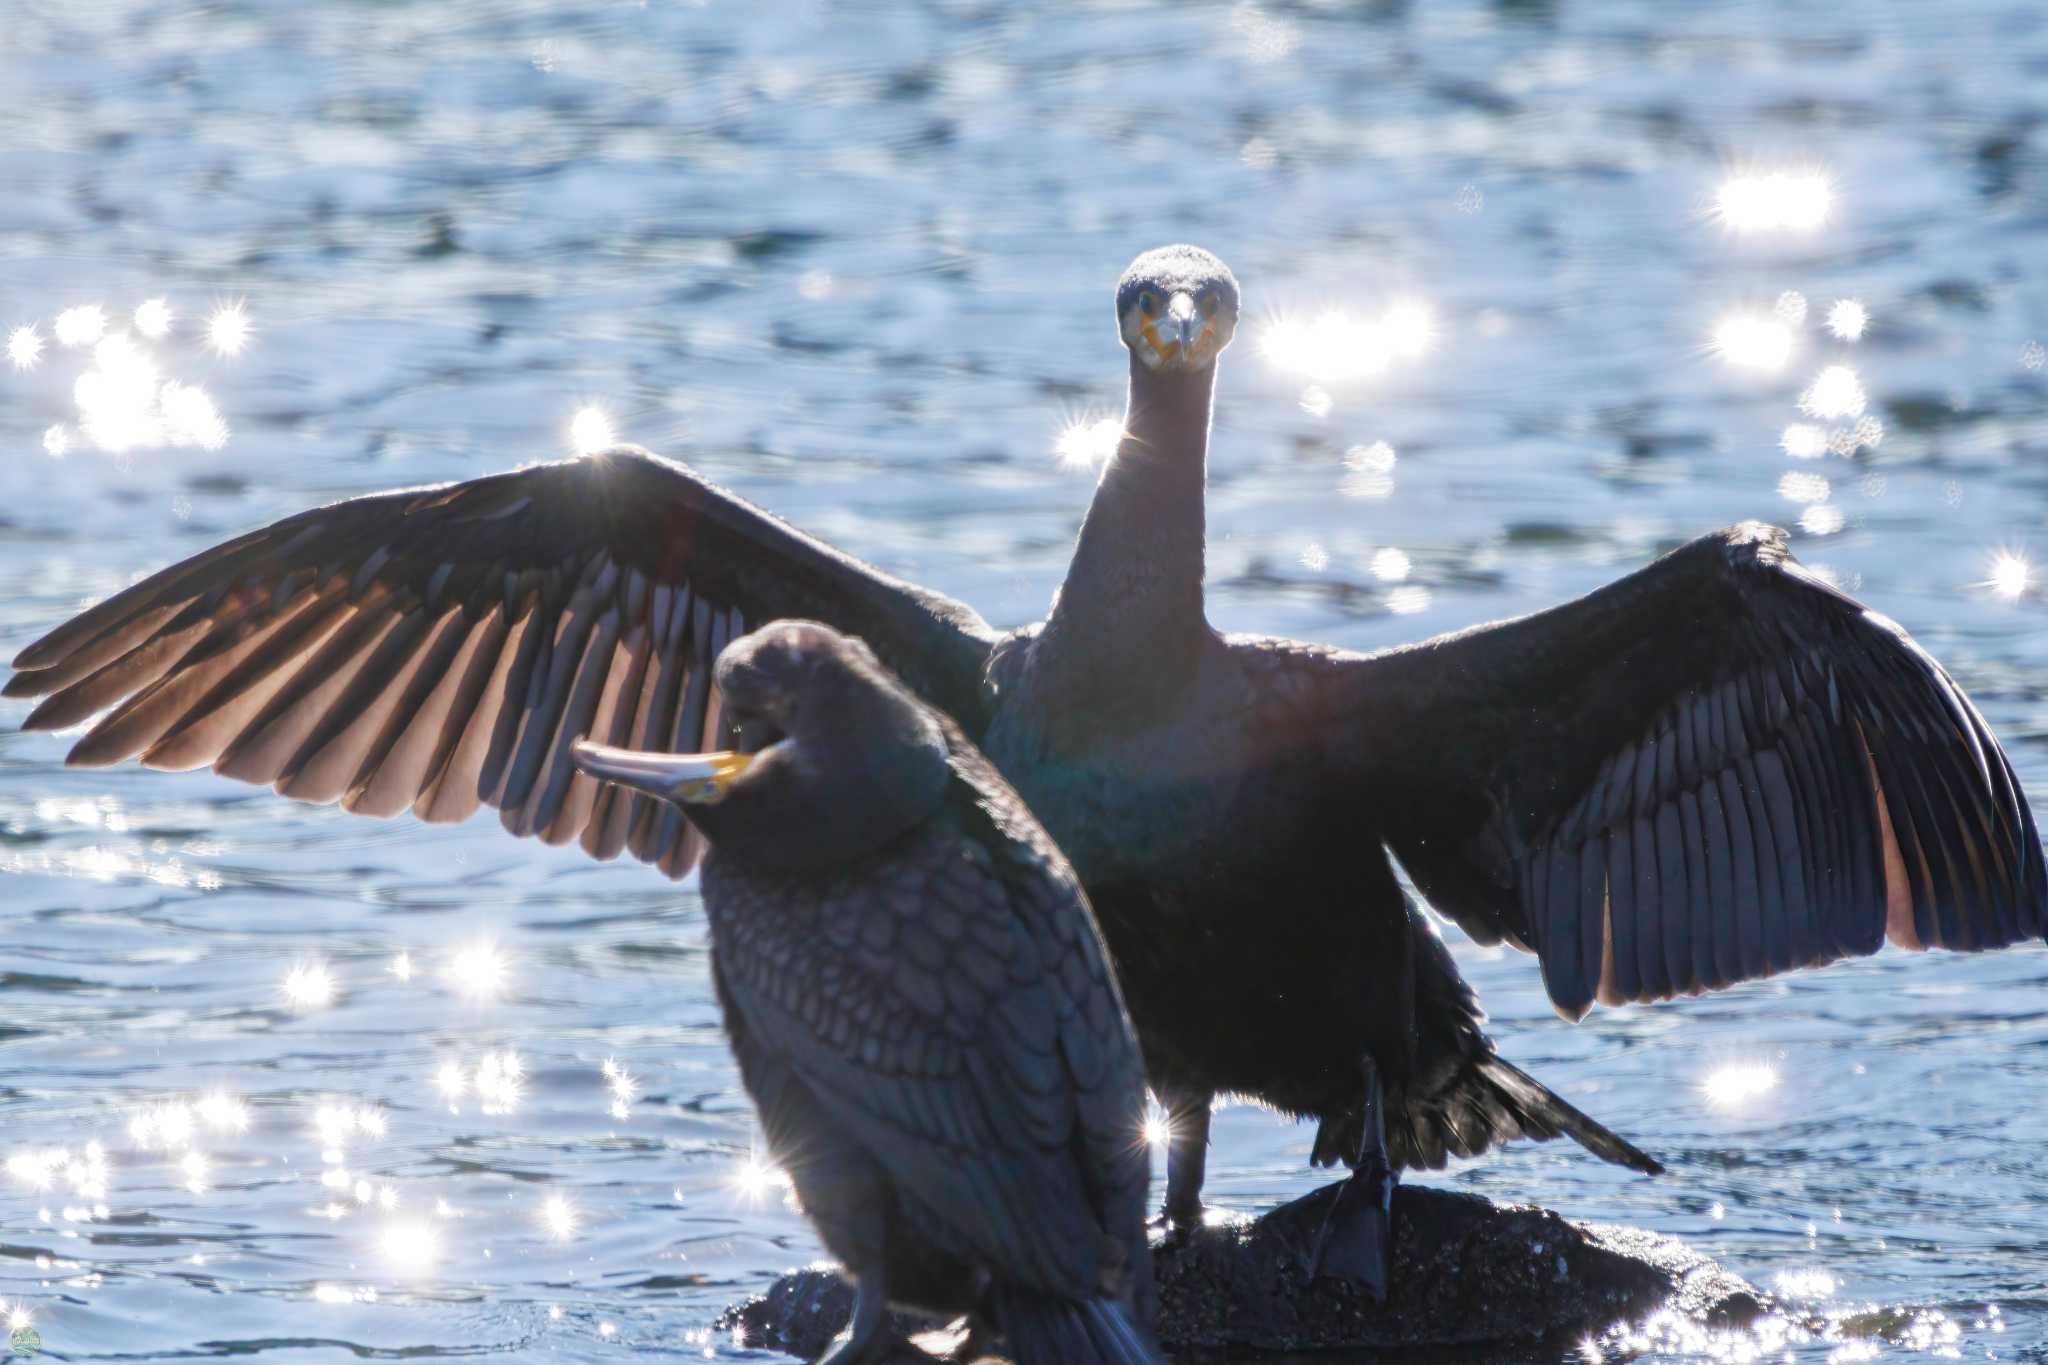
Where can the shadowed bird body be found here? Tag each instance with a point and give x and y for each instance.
(920, 1005)
(1714, 769)
(1213, 803)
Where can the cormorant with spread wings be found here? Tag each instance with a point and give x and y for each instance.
(1717, 768)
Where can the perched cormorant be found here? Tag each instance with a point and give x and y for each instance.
(920, 1003)
(1717, 768)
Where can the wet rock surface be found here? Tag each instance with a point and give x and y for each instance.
(1472, 1281)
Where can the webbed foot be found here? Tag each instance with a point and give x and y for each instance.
(1356, 1240)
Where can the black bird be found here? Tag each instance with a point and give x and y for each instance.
(1715, 769)
(920, 1003)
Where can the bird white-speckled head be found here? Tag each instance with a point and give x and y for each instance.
(1176, 308)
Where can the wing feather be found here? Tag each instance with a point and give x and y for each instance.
(1716, 769)
(430, 728)
(439, 649)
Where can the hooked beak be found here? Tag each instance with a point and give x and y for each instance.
(687, 779)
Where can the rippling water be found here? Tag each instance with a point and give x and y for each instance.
(855, 262)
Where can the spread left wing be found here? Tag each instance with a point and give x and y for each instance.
(440, 648)
(1718, 768)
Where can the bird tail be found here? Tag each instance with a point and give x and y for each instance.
(1543, 1115)
(1458, 1097)
(1474, 1103)
(1045, 1330)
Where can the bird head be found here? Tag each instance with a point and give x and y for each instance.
(832, 754)
(1176, 308)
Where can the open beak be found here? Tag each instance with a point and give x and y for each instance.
(692, 779)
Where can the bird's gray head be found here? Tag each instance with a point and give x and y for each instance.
(833, 757)
(1176, 308)
(808, 684)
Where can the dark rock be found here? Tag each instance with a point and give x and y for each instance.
(1473, 1281)
(800, 1314)
(1468, 1273)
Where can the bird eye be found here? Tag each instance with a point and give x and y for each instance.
(1148, 303)
(1206, 301)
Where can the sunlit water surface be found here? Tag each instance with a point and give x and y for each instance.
(1534, 290)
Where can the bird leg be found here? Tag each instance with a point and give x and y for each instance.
(1356, 1240)
(1187, 1159)
(869, 1340)
(978, 1343)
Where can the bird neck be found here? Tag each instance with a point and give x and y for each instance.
(1130, 612)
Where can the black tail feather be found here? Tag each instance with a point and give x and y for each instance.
(1455, 1095)
(1543, 1115)
(1476, 1103)
(1043, 1330)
